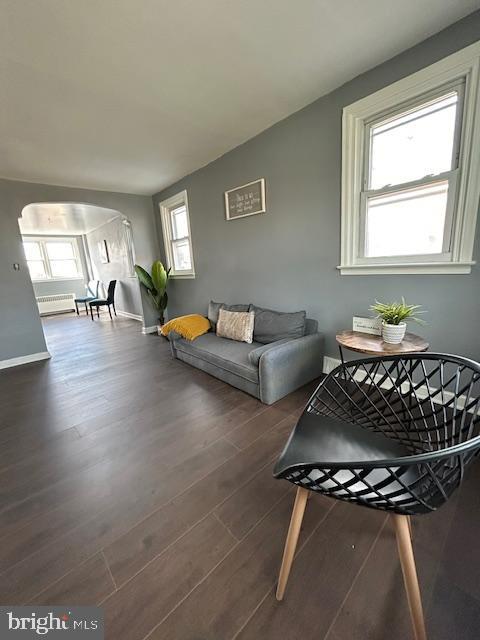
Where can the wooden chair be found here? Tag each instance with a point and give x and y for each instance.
(105, 302)
(393, 433)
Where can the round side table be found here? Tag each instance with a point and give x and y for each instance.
(375, 346)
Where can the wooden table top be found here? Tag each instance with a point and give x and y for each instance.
(375, 346)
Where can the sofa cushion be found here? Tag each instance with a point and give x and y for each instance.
(226, 354)
(214, 308)
(271, 326)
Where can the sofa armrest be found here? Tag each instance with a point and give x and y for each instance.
(288, 366)
(255, 355)
(173, 336)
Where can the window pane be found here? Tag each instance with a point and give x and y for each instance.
(407, 223)
(37, 269)
(32, 250)
(415, 144)
(181, 256)
(179, 222)
(63, 268)
(59, 250)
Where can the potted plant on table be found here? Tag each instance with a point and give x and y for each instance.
(155, 285)
(394, 316)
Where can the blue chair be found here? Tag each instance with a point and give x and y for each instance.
(91, 290)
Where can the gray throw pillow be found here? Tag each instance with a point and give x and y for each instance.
(214, 308)
(212, 315)
(271, 326)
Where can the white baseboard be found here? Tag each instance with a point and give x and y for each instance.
(132, 316)
(152, 329)
(329, 364)
(32, 357)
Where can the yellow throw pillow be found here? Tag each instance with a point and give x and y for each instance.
(189, 327)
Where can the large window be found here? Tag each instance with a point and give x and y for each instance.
(411, 176)
(52, 258)
(177, 236)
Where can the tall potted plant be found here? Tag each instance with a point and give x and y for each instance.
(155, 284)
(394, 316)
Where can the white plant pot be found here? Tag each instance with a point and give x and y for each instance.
(393, 333)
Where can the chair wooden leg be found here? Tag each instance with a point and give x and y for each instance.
(292, 539)
(110, 312)
(407, 560)
(76, 308)
(409, 520)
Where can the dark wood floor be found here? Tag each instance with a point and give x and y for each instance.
(139, 483)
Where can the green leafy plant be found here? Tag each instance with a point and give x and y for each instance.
(155, 285)
(397, 312)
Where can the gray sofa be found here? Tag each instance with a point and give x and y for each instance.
(267, 370)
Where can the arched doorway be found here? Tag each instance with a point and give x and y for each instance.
(68, 244)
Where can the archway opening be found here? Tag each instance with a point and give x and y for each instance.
(73, 249)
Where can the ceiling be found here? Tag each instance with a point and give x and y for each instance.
(130, 95)
(63, 218)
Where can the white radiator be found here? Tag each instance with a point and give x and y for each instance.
(56, 303)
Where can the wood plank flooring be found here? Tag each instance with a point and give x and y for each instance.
(133, 481)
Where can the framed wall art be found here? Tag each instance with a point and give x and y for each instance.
(103, 252)
(247, 200)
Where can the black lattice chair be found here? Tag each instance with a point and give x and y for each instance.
(393, 433)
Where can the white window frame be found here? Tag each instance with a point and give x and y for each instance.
(42, 240)
(166, 206)
(460, 67)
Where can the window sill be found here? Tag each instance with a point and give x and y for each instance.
(44, 280)
(182, 276)
(407, 269)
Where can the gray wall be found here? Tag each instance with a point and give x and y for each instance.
(52, 287)
(127, 292)
(20, 327)
(287, 258)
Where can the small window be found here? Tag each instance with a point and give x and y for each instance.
(52, 258)
(177, 236)
(410, 185)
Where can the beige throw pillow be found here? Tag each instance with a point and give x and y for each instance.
(236, 325)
